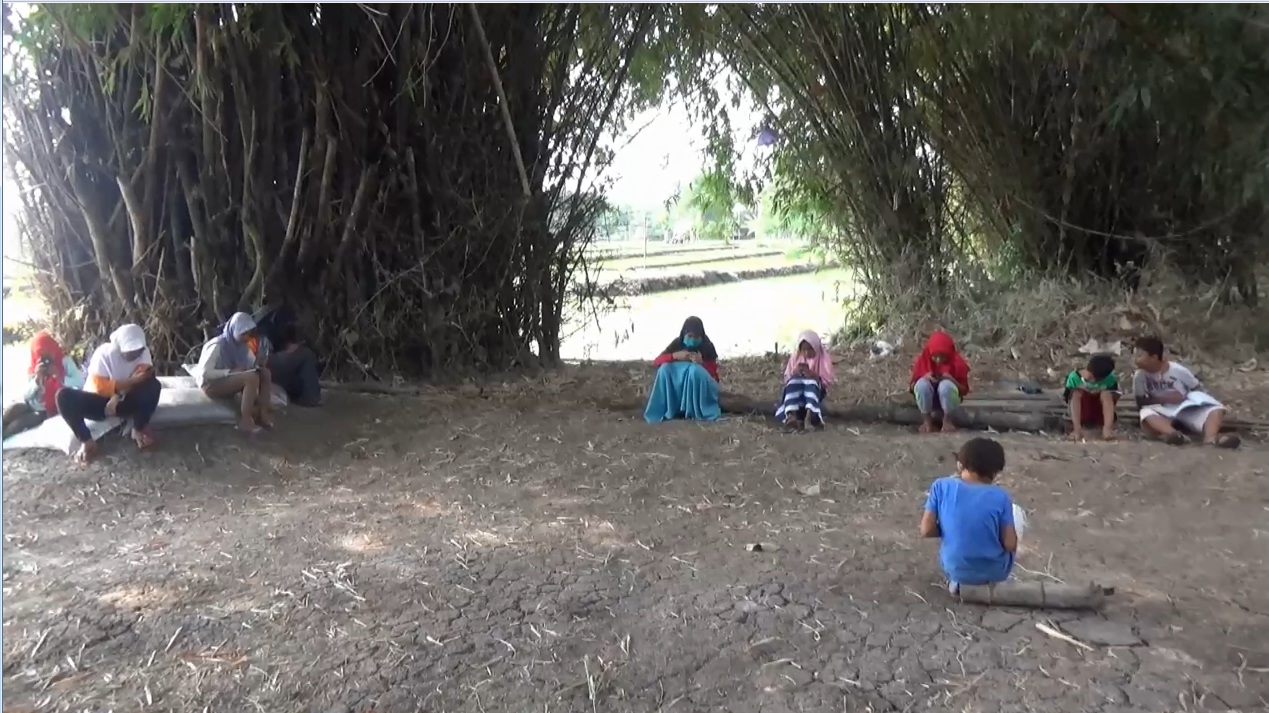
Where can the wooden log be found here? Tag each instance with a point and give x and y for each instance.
(1037, 595)
(966, 417)
(982, 413)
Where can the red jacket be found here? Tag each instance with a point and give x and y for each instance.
(710, 366)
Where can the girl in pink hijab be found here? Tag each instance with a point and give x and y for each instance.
(807, 376)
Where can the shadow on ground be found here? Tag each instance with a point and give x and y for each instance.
(467, 553)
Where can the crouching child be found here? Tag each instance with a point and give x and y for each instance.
(1092, 393)
(973, 517)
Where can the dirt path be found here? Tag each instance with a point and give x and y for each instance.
(536, 558)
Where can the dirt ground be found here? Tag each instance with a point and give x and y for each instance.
(518, 549)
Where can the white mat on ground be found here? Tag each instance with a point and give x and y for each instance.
(180, 404)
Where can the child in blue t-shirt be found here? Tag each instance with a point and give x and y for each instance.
(973, 517)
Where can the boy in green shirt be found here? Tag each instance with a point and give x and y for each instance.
(1092, 394)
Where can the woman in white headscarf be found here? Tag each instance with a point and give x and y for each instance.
(121, 382)
(228, 367)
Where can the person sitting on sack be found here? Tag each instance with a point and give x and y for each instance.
(292, 364)
(50, 370)
(122, 383)
(227, 368)
(1170, 396)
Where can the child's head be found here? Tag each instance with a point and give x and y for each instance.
(1149, 353)
(982, 457)
(1101, 366)
(940, 347)
(805, 350)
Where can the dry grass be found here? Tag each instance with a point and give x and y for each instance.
(1033, 329)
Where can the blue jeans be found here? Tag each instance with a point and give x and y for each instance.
(944, 399)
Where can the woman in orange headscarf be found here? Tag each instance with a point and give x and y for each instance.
(940, 379)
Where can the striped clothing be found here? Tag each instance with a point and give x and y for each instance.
(802, 397)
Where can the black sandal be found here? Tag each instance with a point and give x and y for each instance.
(1176, 438)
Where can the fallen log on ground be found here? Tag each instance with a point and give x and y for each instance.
(967, 417)
(1058, 411)
(1037, 595)
(985, 411)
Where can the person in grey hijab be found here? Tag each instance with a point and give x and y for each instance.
(228, 367)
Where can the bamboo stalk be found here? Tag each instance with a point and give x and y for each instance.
(502, 98)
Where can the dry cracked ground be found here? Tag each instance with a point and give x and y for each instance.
(522, 553)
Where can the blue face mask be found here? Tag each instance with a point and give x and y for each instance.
(691, 342)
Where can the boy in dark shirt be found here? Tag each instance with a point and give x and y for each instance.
(974, 518)
(1092, 394)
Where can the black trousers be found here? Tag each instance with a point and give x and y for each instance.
(21, 417)
(297, 372)
(76, 406)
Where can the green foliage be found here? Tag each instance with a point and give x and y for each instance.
(425, 174)
(955, 142)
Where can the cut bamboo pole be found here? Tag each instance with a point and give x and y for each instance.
(1037, 595)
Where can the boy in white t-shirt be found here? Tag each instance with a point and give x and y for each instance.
(1169, 395)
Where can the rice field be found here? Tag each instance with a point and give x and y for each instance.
(743, 319)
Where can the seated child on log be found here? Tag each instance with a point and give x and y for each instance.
(686, 385)
(1169, 395)
(940, 379)
(807, 376)
(974, 518)
(1092, 394)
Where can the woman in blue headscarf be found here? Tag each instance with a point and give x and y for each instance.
(228, 367)
(686, 385)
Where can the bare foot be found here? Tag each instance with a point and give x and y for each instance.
(927, 426)
(86, 453)
(1077, 435)
(949, 427)
(1109, 435)
(143, 438)
(1227, 440)
(248, 427)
